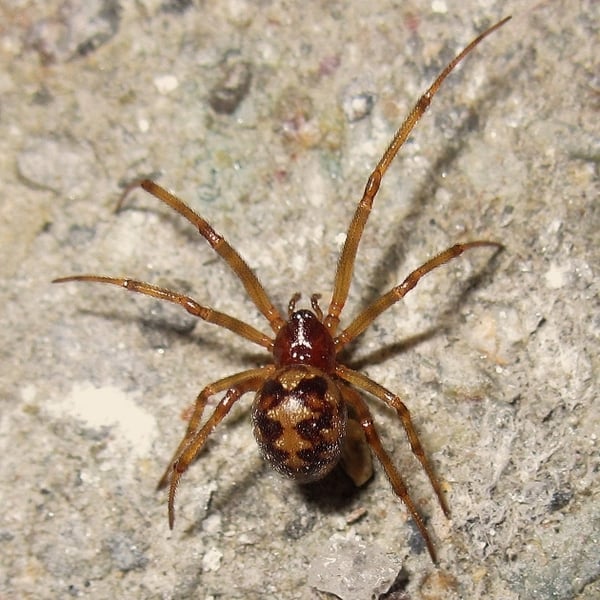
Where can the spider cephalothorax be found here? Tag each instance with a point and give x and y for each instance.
(303, 397)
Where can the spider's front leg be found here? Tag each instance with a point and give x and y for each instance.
(345, 267)
(221, 246)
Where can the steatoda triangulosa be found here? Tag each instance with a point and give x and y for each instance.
(300, 410)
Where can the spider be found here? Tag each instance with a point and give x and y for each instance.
(302, 399)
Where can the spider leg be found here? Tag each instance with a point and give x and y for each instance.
(221, 246)
(365, 419)
(248, 381)
(368, 385)
(367, 316)
(200, 404)
(207, 314)
(347, 258)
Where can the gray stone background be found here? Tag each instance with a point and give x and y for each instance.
(267, 118)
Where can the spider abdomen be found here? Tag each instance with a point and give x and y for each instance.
(299, 421)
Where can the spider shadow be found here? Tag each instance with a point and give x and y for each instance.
(329, 495)
(333, 494)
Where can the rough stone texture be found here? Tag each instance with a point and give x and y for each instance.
(498, 360)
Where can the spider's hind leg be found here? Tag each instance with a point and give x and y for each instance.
(195, 438)
(365, 419)
(210, 390)
(368, 385)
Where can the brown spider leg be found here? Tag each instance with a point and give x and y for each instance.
(207, 314)
(365, 419)
(247, 382)
(367, 316)
(221, 246)
(292, 303)
(345, 266)
(368, 385)
(200, 404)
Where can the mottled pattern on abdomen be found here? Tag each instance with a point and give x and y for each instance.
(299, 421)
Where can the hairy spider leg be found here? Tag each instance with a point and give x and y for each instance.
(392, 400)
(365, 420)
(200, 404)
(345, 265)
(223, 248)
(203, 312)
(367, 316)
(248, 382)
(239, 382)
